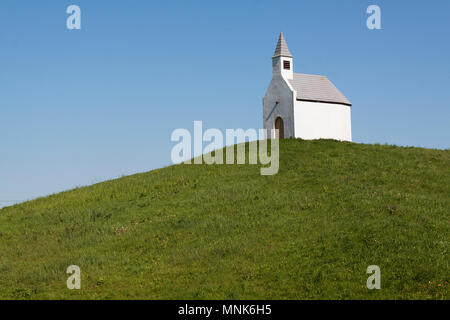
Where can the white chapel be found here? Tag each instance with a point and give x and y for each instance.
(304, 106)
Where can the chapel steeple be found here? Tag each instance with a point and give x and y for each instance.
(282, 49)
(282, 60)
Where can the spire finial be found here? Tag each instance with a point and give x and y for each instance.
(282, 48)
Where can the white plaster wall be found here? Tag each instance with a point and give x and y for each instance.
(277, 67)
(314, 120)
(279, 91)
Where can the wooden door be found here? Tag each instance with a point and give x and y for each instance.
(280, 126)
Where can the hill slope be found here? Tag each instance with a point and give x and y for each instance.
(226, 232)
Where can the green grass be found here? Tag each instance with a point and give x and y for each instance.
(226, 232)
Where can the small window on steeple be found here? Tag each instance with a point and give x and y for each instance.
(287, 65)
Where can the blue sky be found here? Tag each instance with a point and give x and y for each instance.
(82, 106)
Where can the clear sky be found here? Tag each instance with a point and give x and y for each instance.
(82, 106)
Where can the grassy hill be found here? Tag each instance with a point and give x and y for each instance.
(226, 232)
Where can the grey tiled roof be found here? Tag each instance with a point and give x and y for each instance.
(282, 48)
(317, 88)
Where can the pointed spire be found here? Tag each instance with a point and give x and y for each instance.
(282, 48)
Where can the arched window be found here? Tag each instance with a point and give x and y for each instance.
(280, 126)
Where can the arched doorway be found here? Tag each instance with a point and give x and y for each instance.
(280, 126)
